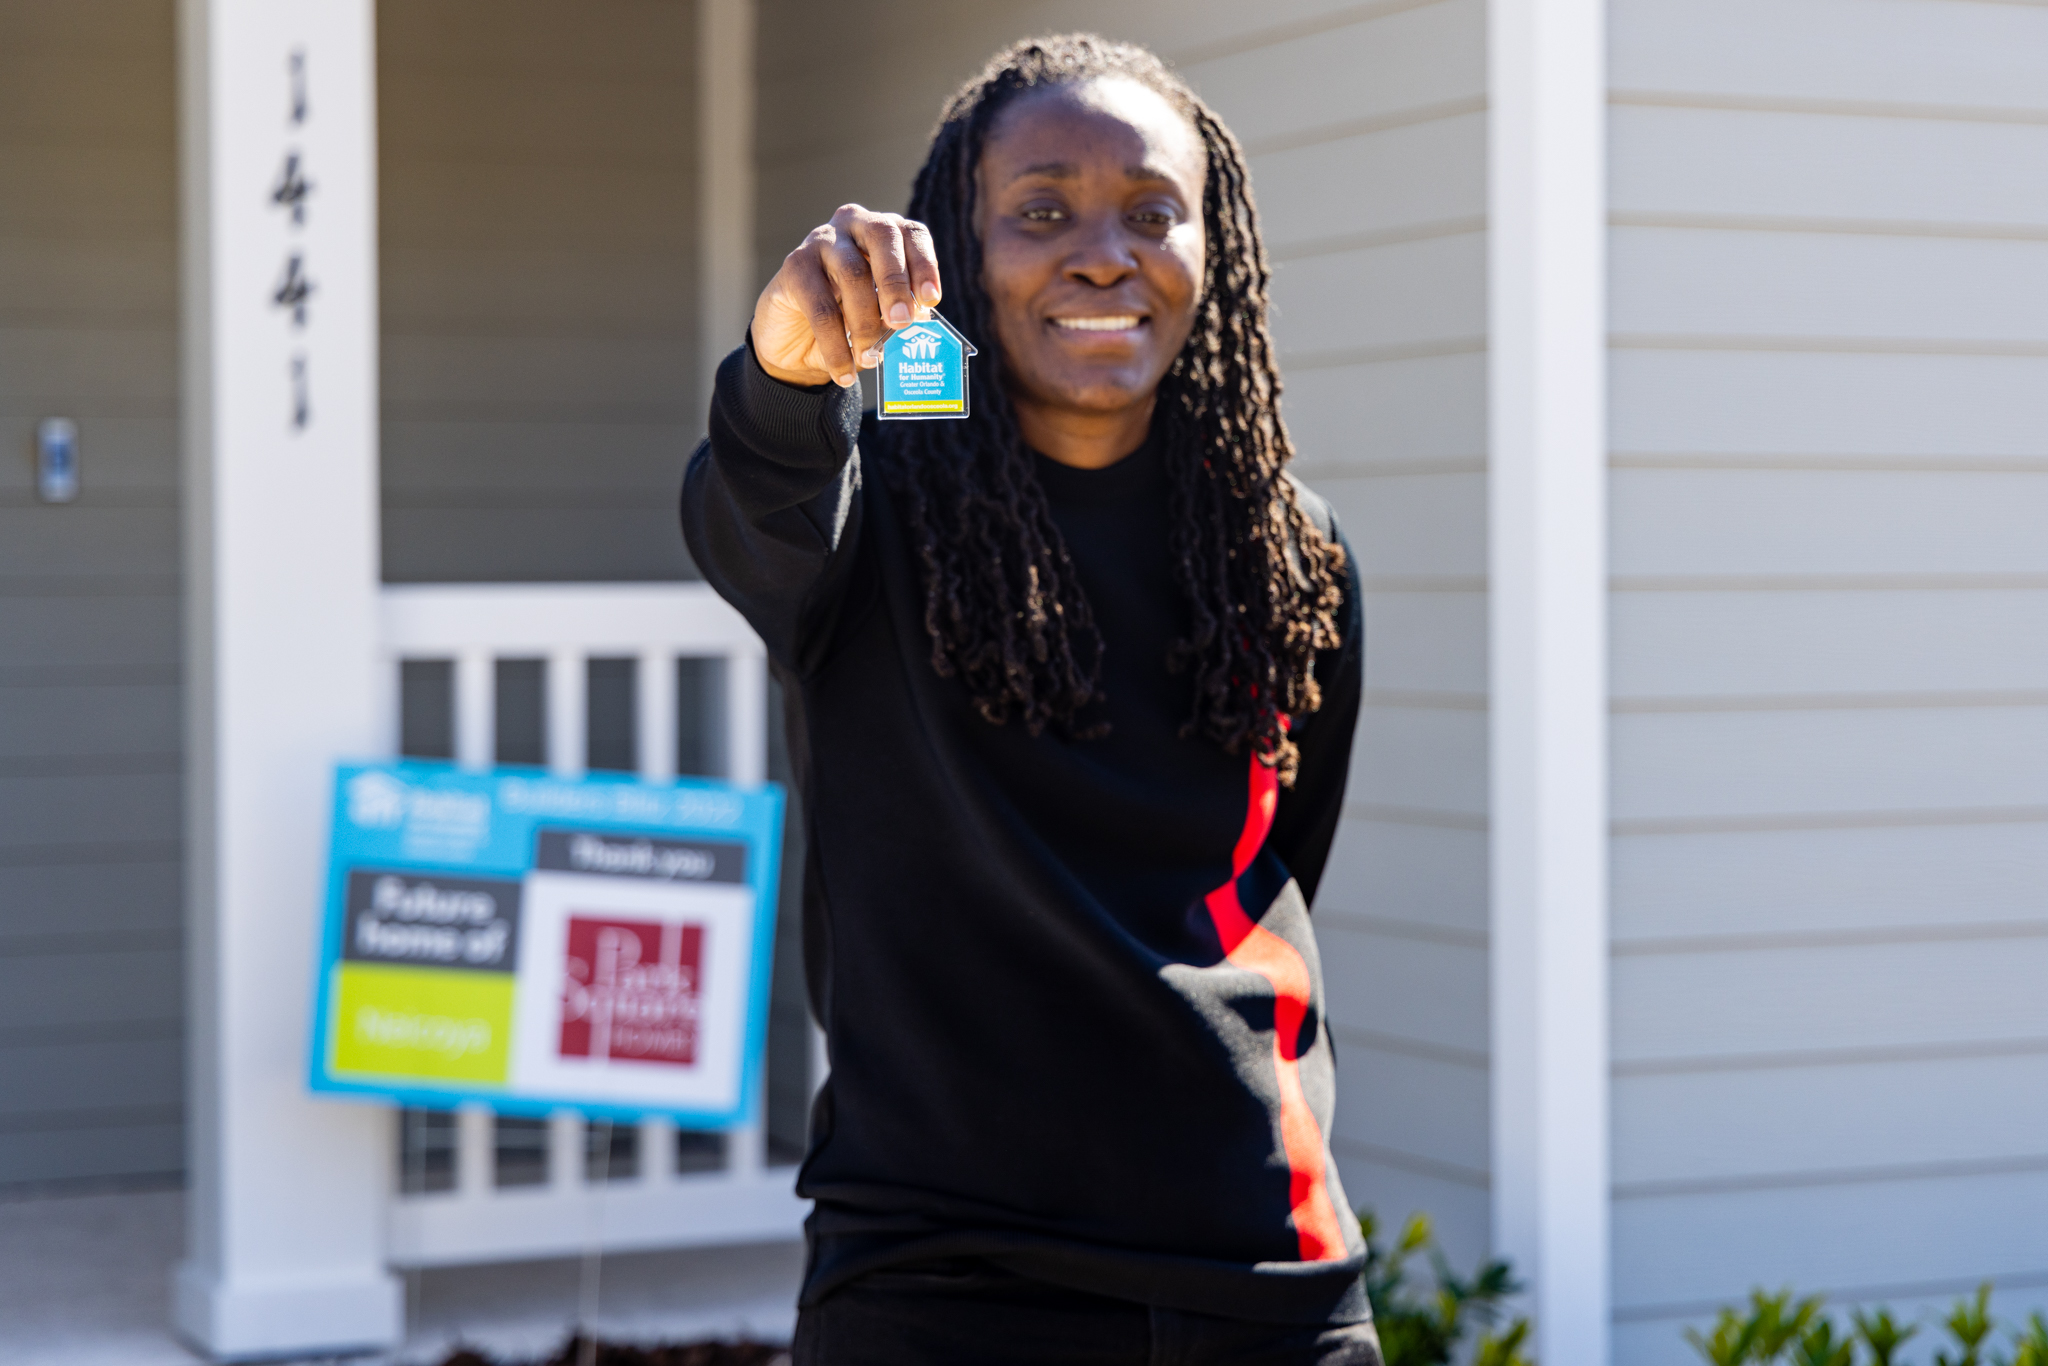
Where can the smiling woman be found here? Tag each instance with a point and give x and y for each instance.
(1072, 684)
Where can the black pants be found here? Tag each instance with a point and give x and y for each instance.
(967, 1313)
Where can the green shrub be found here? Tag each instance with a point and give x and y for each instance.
(2029, 1344)
(1778, 1328)
(1422, 1326)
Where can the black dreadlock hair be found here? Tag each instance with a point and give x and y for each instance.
(1002, 602)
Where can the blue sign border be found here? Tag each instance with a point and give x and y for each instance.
(755, 816)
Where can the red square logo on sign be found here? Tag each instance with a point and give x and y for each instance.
(631, 989)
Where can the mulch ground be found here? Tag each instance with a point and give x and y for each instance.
(619, 1354)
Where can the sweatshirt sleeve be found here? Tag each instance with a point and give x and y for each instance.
(1306, 822)
(771, 504)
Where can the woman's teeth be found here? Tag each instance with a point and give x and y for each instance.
(1122, 322)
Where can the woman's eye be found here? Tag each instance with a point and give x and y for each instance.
(1044, 214)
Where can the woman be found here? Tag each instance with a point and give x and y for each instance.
(1072, 686)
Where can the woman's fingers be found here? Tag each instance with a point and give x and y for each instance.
(839, 295)
(922, 259)
(818, 301)
(854, 283)
(880, 237)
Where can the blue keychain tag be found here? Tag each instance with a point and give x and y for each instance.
(924, 371)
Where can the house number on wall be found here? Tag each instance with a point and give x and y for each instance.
(295, 287)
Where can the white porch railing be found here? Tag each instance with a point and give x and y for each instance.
(567, 625)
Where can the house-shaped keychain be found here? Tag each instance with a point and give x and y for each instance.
(924, 371)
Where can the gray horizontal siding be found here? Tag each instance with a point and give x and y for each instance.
(1830, 876)
(538, 264)
(90, 723)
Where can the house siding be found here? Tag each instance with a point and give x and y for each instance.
(538, 243)
(1829, 389)
(1365, 127)
(91, 1011)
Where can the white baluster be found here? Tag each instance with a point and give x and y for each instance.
(657, 1150)
(475, 1152)
(390, 702)
(565, 1152)
(567, 713)
(655, 696)
(476, 709)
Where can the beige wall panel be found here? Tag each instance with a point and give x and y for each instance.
(140, 28)
(471, 375)
(1410, 293)
(1425, 642)
(43, 96)
(1372, 1113)
(88, 540)
(1719, 764)
(1420, 759)
(1873, 882)
(1939, 52)
(66, 991)
(541, 38)
(1871, 643)
(1866, 999)
(119, 627)
(1693, 282)
(1349, 418)
(628, 538)
(75, 279)
(547, 208)
(1432, 875)
(539, 287)
(1774, 403)
(106, 194)
(143, 1150)
(133, 1076)
(90, 809)
(523, 121)
(64, 365)
(101, 894)
(1407, 525)
(1406, 60)
(430, 459)
(80, 720)
(1833, 168)
(1404, 988)
(89, 769)
(1703, 1126)
(525, 293)
(1744, 522)
(1458, 1210)
(1385, 181)
(1885, 1238)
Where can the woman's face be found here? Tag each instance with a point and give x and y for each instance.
(1089, 207)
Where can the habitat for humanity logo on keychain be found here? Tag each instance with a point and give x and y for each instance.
(924, 371)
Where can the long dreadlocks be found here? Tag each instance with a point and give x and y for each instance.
(1002, 601)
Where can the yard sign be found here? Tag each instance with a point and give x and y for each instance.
(541, 943)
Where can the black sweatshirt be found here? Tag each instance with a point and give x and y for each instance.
(1069, 986)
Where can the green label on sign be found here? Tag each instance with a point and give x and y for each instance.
(422, 1022)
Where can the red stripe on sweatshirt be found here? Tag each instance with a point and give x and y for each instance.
(1256, 949)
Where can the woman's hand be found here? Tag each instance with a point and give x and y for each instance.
(853, 281)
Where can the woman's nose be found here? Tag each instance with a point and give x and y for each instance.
(1101, 252)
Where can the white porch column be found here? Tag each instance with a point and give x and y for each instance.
(1547, 579)
(286, 1237)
